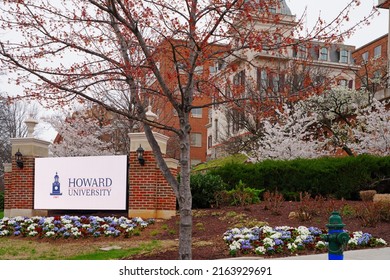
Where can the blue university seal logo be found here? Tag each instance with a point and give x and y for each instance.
(55, 189)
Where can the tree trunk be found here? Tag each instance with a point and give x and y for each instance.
(185, 197)
(348, 151)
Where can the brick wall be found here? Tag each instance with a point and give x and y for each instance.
(148, 189)
(7, 189)
(19, 186)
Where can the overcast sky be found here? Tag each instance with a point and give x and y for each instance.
(329, 9)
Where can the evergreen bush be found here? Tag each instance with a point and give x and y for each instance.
(203, 189)
(241, 195)
(342, 177)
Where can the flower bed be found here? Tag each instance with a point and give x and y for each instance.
(285, 240)
(71, 226)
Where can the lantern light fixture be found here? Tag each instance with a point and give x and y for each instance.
(140, 155)
(19, 159)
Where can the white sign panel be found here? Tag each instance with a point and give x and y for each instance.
(81, 183)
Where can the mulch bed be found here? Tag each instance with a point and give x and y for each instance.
(209, 226)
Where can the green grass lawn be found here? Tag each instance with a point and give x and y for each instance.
(1, 214)
(30, 249)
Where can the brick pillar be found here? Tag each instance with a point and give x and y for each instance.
(150, 195)
(7, 185)
(19, 183)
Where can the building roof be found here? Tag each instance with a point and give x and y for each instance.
(282, 7)
(285, 10)
(384, 4)
(371, 42)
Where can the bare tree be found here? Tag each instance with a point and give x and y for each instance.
(110, 57)
(12, 117)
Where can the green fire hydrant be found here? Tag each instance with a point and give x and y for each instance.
(337, 239)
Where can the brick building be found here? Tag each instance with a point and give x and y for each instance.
(172, 54)
(372, 59)
(273, 75)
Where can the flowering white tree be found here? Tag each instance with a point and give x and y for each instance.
(292, 136)
(340, 118)
(372, 130)
(79, 137)
(335, 109)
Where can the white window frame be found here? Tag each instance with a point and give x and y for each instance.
(344, 56)
(343, 83)
(196, 139)
(196, 112)
(322, 54)
(365, 56)
(378, 51)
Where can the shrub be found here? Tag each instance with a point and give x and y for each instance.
(309, 207)
(241, 195)
(203, 188)
(367, 195)
(273, 201)
(340, 177)
(369, 214)
(1, 200)
(384, 207)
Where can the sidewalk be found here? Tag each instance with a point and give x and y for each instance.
(364, 254)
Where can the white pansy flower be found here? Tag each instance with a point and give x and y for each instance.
(268, 229)
(65, 221)
(48, 220)
(74, 229)
(239, 236)
(19, 218)
(292, 246)
(283, 228)
(298, 240)
(320, 244)
(260, 250)
(353, 241)
(4, 232)
(381, 241)
(276, 235)
(129, 229)
(236, 231)
(268, 241)
(235, 245)
(33, 233)
(303, 230)
(31, 227)
(49, 233)
(249, 236)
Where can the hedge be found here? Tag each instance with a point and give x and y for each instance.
(338, 177)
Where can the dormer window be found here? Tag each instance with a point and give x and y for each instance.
(344, 56)
(323, 54)
(272, 9)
